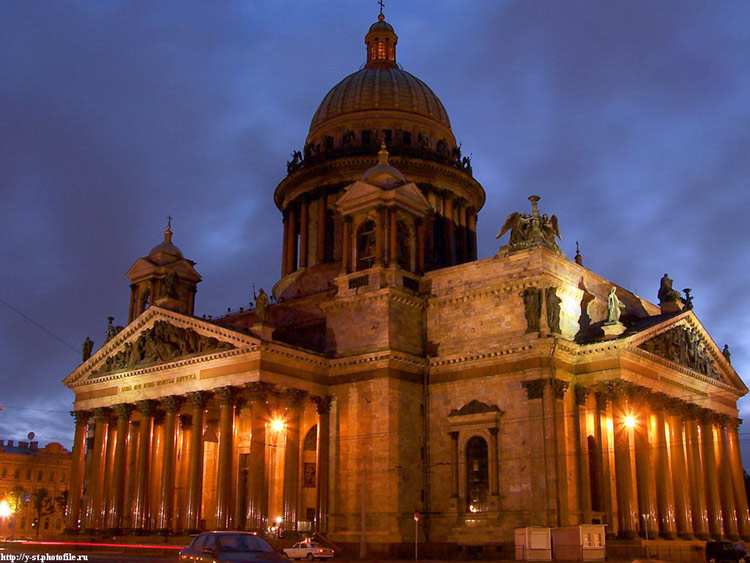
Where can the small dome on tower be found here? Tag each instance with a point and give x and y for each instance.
(166, 247)
(383, 175)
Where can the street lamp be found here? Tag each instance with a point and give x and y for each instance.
(645, 520)
(6, 512)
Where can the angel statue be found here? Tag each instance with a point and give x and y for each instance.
(531, 230)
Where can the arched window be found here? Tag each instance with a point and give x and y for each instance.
(477, 475)
(403, 245)
(366, 245)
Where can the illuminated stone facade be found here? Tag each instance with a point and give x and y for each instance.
(396, 367)
(26, 466)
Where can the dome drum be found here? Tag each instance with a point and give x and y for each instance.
(379, 105)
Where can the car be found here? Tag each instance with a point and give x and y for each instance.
(229, 547)
(308, 550)
(725, 552)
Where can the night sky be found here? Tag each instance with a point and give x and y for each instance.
(630, 119)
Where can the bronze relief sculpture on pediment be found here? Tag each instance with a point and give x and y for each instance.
(684, 346)
(160, 344)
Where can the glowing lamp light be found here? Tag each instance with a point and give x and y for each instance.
(629, 421)
(4, 509)
(472, 508)
(278, 520)
(277, 424)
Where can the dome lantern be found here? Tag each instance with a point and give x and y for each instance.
(381, 44)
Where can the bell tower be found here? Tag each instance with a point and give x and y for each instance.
(164, 278)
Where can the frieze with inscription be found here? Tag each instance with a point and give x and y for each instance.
(683, 346)
(160, 344)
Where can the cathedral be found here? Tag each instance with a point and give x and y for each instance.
(392, 371)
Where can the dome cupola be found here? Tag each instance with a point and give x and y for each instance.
(381, 44)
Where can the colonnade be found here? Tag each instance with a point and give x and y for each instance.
(304, 225)
(688, 480)
(146, 473)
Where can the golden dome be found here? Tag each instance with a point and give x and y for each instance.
(380, 89)
(380, 96)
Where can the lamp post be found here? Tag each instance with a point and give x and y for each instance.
(417, 517)
(4, 510)
(645, 520)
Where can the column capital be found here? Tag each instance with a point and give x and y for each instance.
(534, 388)
(692, 411)
(659, 401)
(322, 404)
(639, 395)
(227, 396)
(172, 403)
(81, 417)
(706, 416)
(581, 394)
(146, 407)
(677, 407)
(292, 398)
(616, 389)
(198, 399)
(559, 387)
(602, 398)
(124, 410)
(733, 423)
(259, 391)
(101, 414)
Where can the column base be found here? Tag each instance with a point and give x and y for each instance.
(703, 536)
(745, 538)
(74, 531)
(114, 531)
(668, 535)
(89, 531)
(627, 534)
(164, 532)
(141, 532)
(192, 531)
(686, 536)
(733, 537)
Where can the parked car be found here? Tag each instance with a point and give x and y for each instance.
(229, 547)
(725, 552)
(308, 550)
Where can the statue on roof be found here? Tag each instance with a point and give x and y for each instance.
(666, 293)
(531, 230)
(261, 304)
(88, 345)
(614, 306)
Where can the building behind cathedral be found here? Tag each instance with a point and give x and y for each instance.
(395, 368)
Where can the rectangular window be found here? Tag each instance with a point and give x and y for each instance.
(51, 476)
(39, 477)
(17, 473)
(28, 474)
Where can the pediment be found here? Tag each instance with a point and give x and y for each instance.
(682, 341)
(361, 195)
(474, 407)
(158, 337)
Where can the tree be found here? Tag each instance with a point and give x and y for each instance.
(15, 502)
(43, 506)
